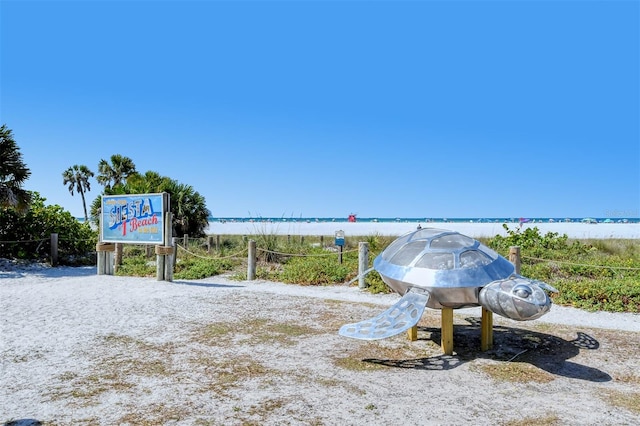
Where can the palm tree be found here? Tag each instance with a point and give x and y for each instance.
(77, 177)
(116, 173)
(13, 173)
(190, 214)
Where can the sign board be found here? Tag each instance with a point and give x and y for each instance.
(339, 238)
(133, 218)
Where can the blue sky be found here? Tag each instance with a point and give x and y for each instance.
(324, 108)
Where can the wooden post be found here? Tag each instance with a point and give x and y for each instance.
(118, 254)
(54, 249)
(514, 257)
(251, 261)
(165, 252)
(363, 263)
(209, 243)
(486, 330)
(412, 333)
(217, 242)
(447, 331)
(321, 240)
(149, 250)
(109, 261)
(340, 255)
(168, 241)
(160, 259)
(185, 241)
(174, 243)
(301, 239)
(105, 258)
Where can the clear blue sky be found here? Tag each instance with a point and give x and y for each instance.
(323, 108)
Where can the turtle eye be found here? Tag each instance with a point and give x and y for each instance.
(522, 290)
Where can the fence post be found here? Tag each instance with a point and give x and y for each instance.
(209, 243)
(514, 257)
(217, 242)
(165, 253)
(322, 241)
(168, 241)
(251, 261)
(54, 249)
(185, 240)
(363, 262)
(174, 243)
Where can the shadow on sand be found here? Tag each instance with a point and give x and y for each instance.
(547, 352)
(209, 285)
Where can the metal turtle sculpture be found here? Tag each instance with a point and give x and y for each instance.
(437, 268)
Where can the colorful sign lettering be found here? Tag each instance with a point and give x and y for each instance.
(133, 218)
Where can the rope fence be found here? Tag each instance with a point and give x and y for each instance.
(304, 255)
(285, 254)
(586, 265)
(232, 256)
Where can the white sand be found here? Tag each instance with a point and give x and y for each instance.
(475, 230)
(78, 348)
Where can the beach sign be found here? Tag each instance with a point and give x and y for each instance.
(132, 218)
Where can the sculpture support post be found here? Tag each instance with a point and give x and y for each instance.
(447, 331)
(412, 333)
(486, 330)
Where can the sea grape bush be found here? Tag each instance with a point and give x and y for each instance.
(27, 235)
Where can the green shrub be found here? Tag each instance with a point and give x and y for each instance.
(28, 235)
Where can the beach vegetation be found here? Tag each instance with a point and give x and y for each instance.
(27, 235)
(115, 173)
(589, 274)
(77, 178)
(13, 173)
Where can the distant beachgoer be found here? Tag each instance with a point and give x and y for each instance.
(419, 227)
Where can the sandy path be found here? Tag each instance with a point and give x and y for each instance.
(81, 348)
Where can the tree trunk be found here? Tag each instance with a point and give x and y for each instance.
(84, 204)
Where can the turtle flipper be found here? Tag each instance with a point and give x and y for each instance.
(401, 316)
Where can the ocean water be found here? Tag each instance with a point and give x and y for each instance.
(427, 219)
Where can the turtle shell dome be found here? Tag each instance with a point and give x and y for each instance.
(431, 257)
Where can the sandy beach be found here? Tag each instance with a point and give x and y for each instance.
(475, 230)
(78, 348)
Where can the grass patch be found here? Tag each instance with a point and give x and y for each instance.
(627, 400)
(259, 330)
(221, 375)
(361, 358)
(516, 372)
(122, 361)
(156, 414)
(549, 419)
